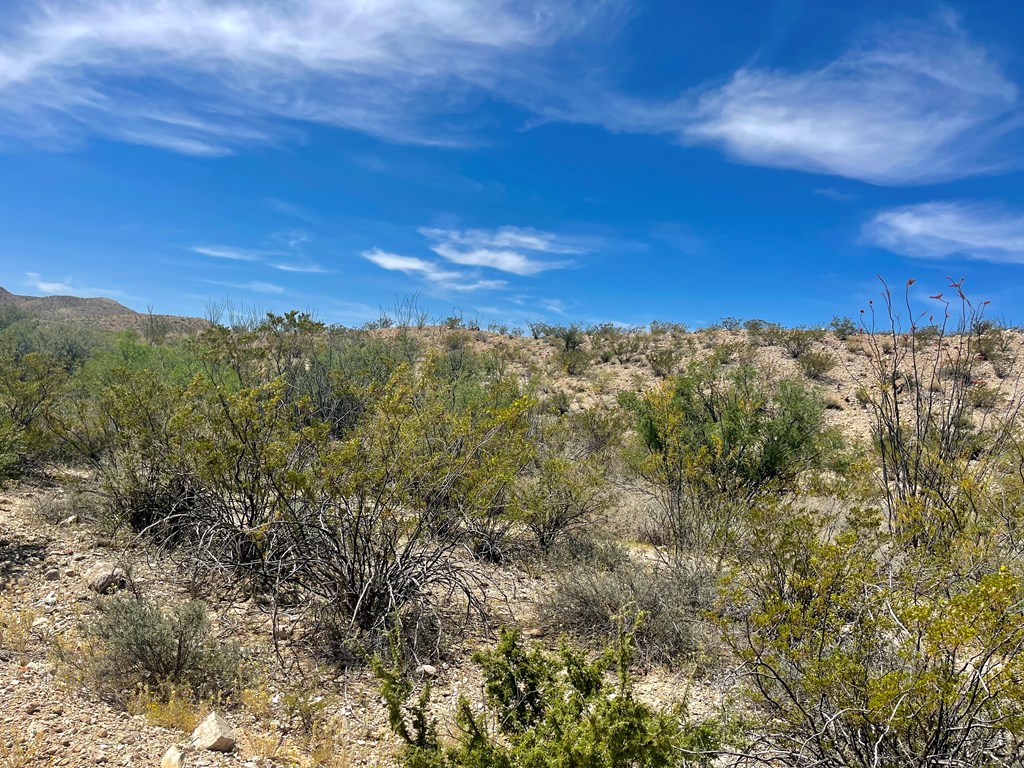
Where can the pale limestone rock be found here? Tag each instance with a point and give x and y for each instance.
(174, 757)
(215, 734)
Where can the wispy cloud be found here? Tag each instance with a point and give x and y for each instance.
(505, 249)
(945, 229)
(253, 286)
(227, 252)
(832, 193)
(434, 273)
(275, 259)
(48, 286)
(909, 104)
(67, 286)
(204, 77)
(305, 268)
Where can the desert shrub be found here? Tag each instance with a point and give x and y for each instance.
(32, 389)
(562, 496)
(588, 603)
(765, 334)
(131, 644)
(799, 341)
(10, 451)
(662, 361)
(860, 655)
(539, 329)
(843, 327)
(816, 365)
(996, 345)
(365, 531)
(565, 490)
(558, 402)
(983, 396)
(711, 441)
(591, 548)
(574, 361)
(545, 711)
(626, 346)
(570, 336)
(662, 327)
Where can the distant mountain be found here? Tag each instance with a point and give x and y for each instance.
(102, 314)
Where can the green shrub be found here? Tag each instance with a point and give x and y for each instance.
(843, 327)
(900, 660)
(799, 341)
(662, 361)
(544, 711)
(10, 451)
(562, 496)
(816, 365)
(131, 644)
(574, 361)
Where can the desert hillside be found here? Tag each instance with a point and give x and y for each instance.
(97, 313)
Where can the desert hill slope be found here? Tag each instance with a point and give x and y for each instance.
(100, 313)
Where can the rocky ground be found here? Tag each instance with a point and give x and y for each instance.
(47, 567)
(45, 570)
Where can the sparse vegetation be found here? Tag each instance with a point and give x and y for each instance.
(400, 489)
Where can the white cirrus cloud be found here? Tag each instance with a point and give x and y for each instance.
(434, 273)
(909, 104)
(253, 286)
(303, 268)
(204, 77)
(227, 252)
(505, 249)
(945, 229)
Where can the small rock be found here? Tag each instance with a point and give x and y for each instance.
(69, 520)
(52, 575)
(426, 670)
(214, 734)
(104, 577)
(174, 757)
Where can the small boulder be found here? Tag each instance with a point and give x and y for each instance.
(105, 577)
(175, 757)
(426, 670)
(214, 734)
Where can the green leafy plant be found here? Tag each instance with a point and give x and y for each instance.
(542, 711)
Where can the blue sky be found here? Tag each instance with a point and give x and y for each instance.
(591, 161)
